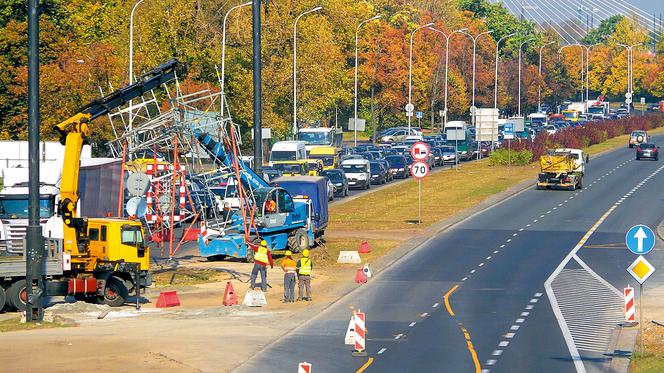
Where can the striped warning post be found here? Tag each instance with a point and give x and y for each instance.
(630, 310)
(360, 334)
(304, 367)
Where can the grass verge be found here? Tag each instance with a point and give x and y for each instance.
(444, 194)
(185, 276)
(15, 324)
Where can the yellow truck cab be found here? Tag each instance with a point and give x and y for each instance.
(571, 115)
(112, 239)
(291, 168)
(329, 155)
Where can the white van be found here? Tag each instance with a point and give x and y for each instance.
(358, 172)
(288, 151)
(456, 130)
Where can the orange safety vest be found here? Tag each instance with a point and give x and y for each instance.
(288, 265)
(261, 255)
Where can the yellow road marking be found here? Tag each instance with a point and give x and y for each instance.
(447, 301)
(365, 366)
(473, 354)
(469, 343)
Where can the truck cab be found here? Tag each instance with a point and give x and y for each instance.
(329, 155)
(112, 239)
(284, 151)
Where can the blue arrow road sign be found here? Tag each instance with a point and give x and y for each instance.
(640, 239)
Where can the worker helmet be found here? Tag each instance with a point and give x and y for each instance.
(263, 243)
(288, 253)
(305, 253)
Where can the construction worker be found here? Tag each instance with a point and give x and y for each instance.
(303, 268)
(289, 266)
(262, 256)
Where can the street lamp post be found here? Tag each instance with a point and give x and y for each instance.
(588, 48)
(630, 72)
(447, 56)
(223, 54)
(295, 66)
(357, 32)
(539, 87)
(495, 84)
(409, 113)
(582, 66)
(520, 48)
(472, 106)
(131, 63)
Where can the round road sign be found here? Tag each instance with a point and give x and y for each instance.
(420, 151)
(410, 107)
(628, 95)
(640, 239)
(628, 101)
(419, 169)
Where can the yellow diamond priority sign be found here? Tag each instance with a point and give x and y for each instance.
(641, 269)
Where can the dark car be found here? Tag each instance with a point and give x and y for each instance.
(386, 165)
(339, 180)
(653, 107)
(367, 155)
(437, 154)
(398, 166)
(378, 173)
(647, 150)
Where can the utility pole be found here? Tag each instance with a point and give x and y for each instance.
(34, 256)
(258, 103)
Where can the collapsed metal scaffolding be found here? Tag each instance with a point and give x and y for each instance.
(175, 178)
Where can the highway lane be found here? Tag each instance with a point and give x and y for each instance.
(500, 258)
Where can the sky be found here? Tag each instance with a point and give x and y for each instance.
(649, 6)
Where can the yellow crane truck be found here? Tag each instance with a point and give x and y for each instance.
(562, 169)
(97, 259)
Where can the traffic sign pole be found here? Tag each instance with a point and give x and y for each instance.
(641, 315)
(419, 201)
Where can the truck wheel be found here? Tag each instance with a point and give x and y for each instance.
(298, 241)
(580, 184)
(17, 295)
(3, 298)
(115, 292)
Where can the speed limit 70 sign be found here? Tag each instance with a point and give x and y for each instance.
(419, 169)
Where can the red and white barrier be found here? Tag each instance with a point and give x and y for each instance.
(304, 367)
(360, 334)
(630, 309)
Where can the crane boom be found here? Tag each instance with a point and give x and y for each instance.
(74, 133)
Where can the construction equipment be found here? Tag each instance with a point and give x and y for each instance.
(99, 259)
(290, 225)
(562, 169)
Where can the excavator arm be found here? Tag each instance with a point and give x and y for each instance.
(74, 133)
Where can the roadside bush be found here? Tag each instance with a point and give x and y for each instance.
(578, 138)
(502, 157)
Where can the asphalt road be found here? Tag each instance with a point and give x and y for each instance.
(527, 286)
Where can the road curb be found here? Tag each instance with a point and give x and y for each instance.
(621, 349)
(660, 230)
